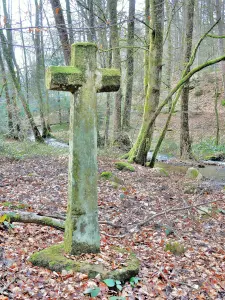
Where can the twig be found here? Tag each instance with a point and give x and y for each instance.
(2, 291)
(148, 219)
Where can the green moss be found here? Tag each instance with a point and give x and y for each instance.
(193, 173)
(106, 175)
(161, 172)
(83, 55)
(107, 80)
(13, 205)
(63, 69)
(64, 78)
(120, 165)
(175, 247)
(53, 258)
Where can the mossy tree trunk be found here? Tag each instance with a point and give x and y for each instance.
(169, 51)
(130, 67)
(185, 141)
(221, 28)
(139, 151)
(8, 100)
(116, 63)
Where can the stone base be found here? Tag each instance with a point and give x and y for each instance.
(53, 258)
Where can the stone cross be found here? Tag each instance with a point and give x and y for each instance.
(83, 79)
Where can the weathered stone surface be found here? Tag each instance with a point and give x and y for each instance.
(83, 79)
(53, 258)
(193, 173)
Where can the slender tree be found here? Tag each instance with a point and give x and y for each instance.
(17, 85)
(130, 66)
(185, 141)
(221, 42)
(61, 28)
(9, 105)
(116, 62)
(40, 67)
(69, 21)
(139, 151)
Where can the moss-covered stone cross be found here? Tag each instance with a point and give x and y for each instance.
(83, 79)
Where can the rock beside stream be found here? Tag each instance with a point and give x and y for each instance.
(193, 173)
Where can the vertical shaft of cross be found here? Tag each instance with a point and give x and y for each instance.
(83, 79)
(82, 229)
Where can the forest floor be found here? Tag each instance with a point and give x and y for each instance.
(39, 184)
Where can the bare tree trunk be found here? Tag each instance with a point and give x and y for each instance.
(146, 60)
(24, 56)
(61, 27)
(116, 62)
(130, 66)
(169, 52)
(185, 142)
(39, 68)
(139, 151)
(216, 108)
(69, 20)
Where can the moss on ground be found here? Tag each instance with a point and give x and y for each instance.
(106, 175)
(120, 165)
(54, 259)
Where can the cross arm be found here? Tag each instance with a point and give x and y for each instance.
(64, 78)
(107, 80)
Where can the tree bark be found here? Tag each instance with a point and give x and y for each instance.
(130, 66)
(39, 67)
(116, 63)
(61, 27)
(139, 151)
(185, 141)
(69, 20)
(221, 43)
(16, 83)
(8, 100)
(169, 52)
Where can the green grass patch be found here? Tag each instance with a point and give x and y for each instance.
(14, 205)
(207, 147)
(61, 132)
(26, 149)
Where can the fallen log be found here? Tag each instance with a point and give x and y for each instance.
(29, 217)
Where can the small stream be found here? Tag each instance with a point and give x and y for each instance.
(213, 170)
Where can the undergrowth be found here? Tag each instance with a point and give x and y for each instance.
(26, 149)
(207, 147)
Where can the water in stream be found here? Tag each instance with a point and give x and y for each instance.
(213, 170)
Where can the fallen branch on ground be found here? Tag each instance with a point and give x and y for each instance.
(58, 223)
(5, 288)
(28, 217)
